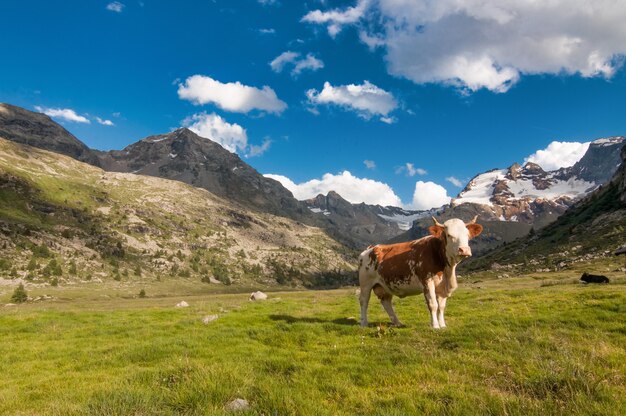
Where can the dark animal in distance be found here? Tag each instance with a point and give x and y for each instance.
(593, 278)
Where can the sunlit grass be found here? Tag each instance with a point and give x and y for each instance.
(511, 348)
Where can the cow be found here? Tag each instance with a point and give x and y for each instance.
(593, 278)
(427, 265)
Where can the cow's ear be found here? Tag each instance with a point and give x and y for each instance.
(474, 230)
(435, 230)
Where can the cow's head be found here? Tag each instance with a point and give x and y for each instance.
(456, 235)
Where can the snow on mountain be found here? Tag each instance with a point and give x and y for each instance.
(404, 219)
(481, 188)
(530, 194)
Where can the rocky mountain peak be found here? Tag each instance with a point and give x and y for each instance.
(38, 130)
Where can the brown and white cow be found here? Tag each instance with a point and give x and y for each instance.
(424, 266)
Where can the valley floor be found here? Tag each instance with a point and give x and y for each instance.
(512, 346)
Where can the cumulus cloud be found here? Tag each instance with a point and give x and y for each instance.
(115, 6)
(454, 181)
(66, 114)
(558, 155)
(366, 99)
(105, 122)
(410, 170)
(370, 164)
(491, 44)
(429, 195)
(351, 188)
(336, 19)
(231, 137)
(287, 57)
(309, 62)
(231, 96)
(256, 150)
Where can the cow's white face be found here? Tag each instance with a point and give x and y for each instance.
(456, 235)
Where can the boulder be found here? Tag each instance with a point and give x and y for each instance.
(209, 318)
(182, 304)
(258, 295)
(237, 405)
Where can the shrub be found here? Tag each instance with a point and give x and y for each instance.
(142, 293)
(72, 269)
(54, 282)
(32, 264)
(19, 294)
(5, 264)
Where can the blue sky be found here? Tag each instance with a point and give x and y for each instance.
(451, 90)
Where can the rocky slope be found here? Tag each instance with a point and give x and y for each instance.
(593, 226)
(39, 130)
(510, 202)
(63, 221)
(371, 224)
(184, 156)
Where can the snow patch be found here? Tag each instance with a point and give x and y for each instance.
(173, 156)
(319, 211)
(608, 141)
(572, 188)
(158, 140)
(405, 220)
(480, 188)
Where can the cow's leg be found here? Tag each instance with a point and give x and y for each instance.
(442, 308)
(431, 302)
(364, 300)
(385, 300)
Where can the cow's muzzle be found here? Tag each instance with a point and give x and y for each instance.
(465, 251)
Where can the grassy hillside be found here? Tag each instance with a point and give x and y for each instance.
(62, 222)
(516, 347)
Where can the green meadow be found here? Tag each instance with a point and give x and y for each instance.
(518, 346)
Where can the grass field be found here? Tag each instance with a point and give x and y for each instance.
(514, 346)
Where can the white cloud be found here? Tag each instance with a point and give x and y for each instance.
(370, 164)
(429, 195)
(336, 19)
(115, 6)
(309, 62)
(287, 57)
(231, 137)
(351, 188)
(491, 44)
(558, 155)
(231, 96)
(454, 181)
(268, 2)
(105, 122)
(269, 31)
(66, 114)
(255, 150)
(410, 170)
(366, 99)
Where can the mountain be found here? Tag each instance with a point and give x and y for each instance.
(592, 227)
(64, 221)
(510, 202)
(371, 224)
(36, 129)
(184, 156)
